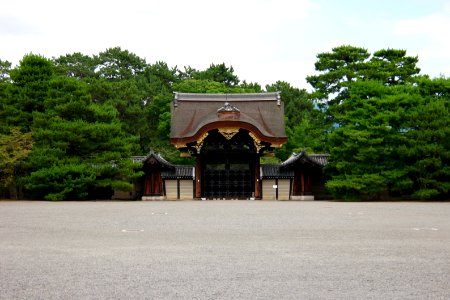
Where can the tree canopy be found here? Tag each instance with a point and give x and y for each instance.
(386, 124)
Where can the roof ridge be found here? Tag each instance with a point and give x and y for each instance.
(265, 96)
(315, 158)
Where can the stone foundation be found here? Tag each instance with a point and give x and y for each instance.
(303, 198)
(153, 198)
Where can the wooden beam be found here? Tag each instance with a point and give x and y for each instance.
(198, 177)
(258, 185)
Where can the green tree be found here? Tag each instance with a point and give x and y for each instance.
(425, 146)
(252, 87)
(201, 86)
(363, 149)
(117, 64)
(304, 123)
(392, 139)
(5, 70)
(5, 83)
(76, 65)
(365, 98)
(28, 90)
(297, 102)
(119, 78)
(14, 149)
(79, 145)
(213, 87)
(217, 73)
(347, 64)
(392, 67)
(338, 69)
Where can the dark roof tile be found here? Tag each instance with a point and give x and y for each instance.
(275, 171)
(303, 157)
(179, 172)
(191, 112)
(154, 155)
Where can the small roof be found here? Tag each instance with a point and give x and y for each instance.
(286, 169)
(152, 155)
(170, 171)
(303, 157)
(260, 113)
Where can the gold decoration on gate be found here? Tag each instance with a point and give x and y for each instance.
(256, 141)
(180, 146)
(200, 142)
(228, 133)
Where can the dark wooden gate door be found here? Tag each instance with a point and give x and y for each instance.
(230, 180)
(228, 166)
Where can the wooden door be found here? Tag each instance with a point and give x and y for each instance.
(153, 183)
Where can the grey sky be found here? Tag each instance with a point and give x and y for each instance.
(265, 40)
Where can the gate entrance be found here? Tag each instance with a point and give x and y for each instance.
(228, 166)
(228, 179)
(227, 134)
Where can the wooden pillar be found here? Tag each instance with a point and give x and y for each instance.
(308, 183)
(296, 183)
(198, 177)
(258, 185)
(276, 190)
(303, 181)
(291, 187)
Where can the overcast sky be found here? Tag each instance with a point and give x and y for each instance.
(263, 40)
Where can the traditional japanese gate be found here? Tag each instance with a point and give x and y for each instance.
(227, 134)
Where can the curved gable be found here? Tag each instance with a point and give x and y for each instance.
(193, 115)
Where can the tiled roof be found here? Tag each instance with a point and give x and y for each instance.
(154, 155)
(179, 172)
(315, 159)
(170, 171)
(192, 112)
(286, 169)
(275, 171)
(320, 159)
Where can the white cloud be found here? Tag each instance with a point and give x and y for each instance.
(433, 29)
(250, 35)
(264, 40)
(430, 40)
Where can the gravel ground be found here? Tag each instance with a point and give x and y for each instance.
(224, 250)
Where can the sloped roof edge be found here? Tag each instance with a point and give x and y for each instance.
(260, 133)
(156, 156)
(316, 159)
(275, 171)
(180, 172)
